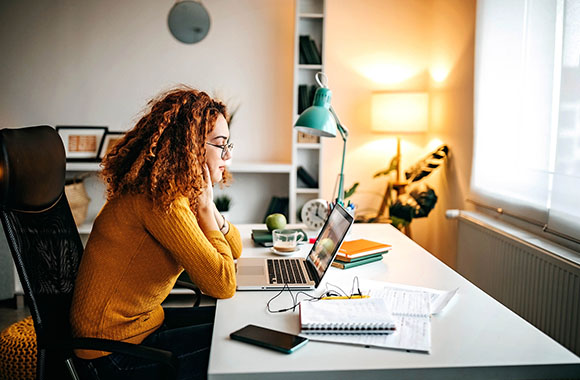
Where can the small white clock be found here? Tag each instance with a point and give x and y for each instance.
(314, 213)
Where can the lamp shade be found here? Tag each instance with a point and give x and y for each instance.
(405, 112)
(317, 119)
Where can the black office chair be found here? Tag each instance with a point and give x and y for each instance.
(47, 249)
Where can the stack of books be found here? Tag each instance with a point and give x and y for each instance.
(358, 252)
(309, 53)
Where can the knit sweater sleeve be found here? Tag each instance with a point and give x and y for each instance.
(207, 258)
(235, 241)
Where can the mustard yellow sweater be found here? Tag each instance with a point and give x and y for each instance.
(131, 262)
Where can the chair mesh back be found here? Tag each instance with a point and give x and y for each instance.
(44, 243)
(47, 250)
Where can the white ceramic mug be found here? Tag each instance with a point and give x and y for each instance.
(286, 240)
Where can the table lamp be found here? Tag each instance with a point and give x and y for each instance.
(400, 112)
(321, 120)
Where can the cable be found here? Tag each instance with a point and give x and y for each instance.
(328, 293)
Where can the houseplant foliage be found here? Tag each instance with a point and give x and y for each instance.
(419, 199)
(222, 203)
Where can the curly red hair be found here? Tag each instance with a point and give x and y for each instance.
(164, 154)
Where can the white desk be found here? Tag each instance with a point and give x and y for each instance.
(474, 337)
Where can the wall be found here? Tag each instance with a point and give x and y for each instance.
(96, 62)
(416, 45)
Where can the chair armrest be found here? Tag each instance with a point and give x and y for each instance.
(192, 287)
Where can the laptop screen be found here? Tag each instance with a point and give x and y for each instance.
(329, 240)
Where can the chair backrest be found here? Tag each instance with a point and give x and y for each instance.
(42, 235)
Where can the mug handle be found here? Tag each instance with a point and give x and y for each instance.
(303, 236)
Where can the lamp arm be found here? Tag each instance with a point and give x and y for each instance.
(344, 134)
(341, 128)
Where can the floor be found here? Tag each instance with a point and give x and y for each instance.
(10, 314)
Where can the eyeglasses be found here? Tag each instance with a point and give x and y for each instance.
(226, 148)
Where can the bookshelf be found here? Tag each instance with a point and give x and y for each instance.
(272, 178)
(306, 152)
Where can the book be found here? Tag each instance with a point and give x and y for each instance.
(305, 50)
(302, 98)
(314, 53)
(346, 259)
(346, 316)
(264, 237)
(311, 93)
(366, 260)
(277, 205)
(305, 177)
(362, 247)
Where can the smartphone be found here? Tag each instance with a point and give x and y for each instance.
(275, 340)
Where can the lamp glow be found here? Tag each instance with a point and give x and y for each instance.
(400, 112)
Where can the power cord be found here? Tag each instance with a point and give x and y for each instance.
(327, 293)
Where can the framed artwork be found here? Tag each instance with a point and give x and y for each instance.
(81, 143)
(111, 138)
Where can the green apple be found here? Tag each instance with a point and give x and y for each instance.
(327, 244)
(275, 222)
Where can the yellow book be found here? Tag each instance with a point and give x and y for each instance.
(361, 247)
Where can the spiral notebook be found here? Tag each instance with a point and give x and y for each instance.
(346, 316)
(411, 314)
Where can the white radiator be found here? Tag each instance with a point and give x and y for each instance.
(541, 287)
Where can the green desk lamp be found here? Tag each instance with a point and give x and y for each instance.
(321, 120)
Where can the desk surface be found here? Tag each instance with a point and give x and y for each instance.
(474, 337)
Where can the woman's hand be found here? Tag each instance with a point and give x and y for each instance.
(206, 196)
(206, 218)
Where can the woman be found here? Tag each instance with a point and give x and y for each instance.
(159, 219)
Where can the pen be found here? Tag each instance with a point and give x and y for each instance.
(343, 297)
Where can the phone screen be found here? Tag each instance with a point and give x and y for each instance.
(273, 339)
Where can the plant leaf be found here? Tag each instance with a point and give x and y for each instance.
(392, 166)
(350, 192)
(425, 198)
(427, 165)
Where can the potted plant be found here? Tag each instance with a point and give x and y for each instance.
(223, 203)
(408, 199)
(411, 199)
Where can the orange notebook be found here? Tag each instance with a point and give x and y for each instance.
(362, 247)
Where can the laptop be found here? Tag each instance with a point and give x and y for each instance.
(297, 273)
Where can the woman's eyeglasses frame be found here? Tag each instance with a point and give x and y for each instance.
(226, 148)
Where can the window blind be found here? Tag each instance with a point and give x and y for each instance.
(526, 156)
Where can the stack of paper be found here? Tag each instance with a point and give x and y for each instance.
(411, 308)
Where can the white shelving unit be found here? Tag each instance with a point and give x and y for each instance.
(254, 182)
(309, 20)
(260, 167)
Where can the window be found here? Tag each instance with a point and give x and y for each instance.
(526, 156)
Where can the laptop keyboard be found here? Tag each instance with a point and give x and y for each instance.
(286, 271)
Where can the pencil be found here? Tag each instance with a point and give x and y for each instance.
(343, 297)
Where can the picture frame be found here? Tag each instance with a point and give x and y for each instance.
(81, 143)
(110, 139)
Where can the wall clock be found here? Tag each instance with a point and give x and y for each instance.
(188, 21)
(314, 213)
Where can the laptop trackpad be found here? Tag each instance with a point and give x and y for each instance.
(251, 270)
